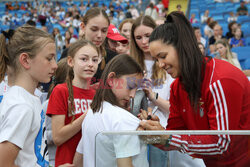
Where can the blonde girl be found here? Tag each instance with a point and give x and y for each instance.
(225, 53)
(30, 52)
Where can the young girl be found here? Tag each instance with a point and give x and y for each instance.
(109, 113)
(125, 27)
(237, 40)
(69, 102)
(95, 28)
(59, 78)
(30, 52)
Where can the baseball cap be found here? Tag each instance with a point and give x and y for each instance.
(114, 34)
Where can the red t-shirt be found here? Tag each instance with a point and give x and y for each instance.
(224, 105)
(58, 105)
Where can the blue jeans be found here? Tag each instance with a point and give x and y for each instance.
(157, 157)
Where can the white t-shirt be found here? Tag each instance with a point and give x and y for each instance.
(3, 87)
(102, 151)
(162, 90)
(20, 122)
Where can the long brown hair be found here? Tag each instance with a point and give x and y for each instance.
(25, 39)
(70, 75)
(121, 65)
(91, 13)
(158, 75)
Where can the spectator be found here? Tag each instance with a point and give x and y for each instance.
(16, 6)
(113, 37)
(122, 48)
(242, 10)
(217, 36)
(134, 12)
(125, 27)
(232, 17)
(237, 40)
(231, 29)
(151, 11)
(208, 29)
(205, 16)
(225, 53)
(165, 3)
(193, 19)
(161, 8)
(59, 39)
(6, 15)
(178, 7)
(118, 7)
(202, 48)
(198, 36)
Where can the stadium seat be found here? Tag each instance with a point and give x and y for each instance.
(4, 27)
(247, 64)
(245, 28)
(247, 41)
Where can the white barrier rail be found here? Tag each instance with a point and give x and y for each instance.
(181, 132)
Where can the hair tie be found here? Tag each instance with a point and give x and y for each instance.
(169, 19)
(8, 34)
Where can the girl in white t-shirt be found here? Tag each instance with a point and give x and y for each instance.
(109, 112)
(31, 53)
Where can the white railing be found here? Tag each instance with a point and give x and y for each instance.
(181, 132)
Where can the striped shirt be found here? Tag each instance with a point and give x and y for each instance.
(224, 105)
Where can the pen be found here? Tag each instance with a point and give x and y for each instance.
(154, 110)
(132, 104)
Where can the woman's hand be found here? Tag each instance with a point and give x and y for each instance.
(144, 115)
(153, 139)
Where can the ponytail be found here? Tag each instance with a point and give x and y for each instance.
(4, 58)
(71, 106)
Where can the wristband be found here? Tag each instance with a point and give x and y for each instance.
(156, 96)
(168, 140)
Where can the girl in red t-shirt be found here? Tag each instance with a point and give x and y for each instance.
(70, 101)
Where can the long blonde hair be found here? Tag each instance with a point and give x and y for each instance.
(229, 54)
(159, 75)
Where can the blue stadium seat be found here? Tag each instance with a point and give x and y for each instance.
(242, 19)
(247, 64)
(247, 41)
(241, 49)
(4, 27)
(245, 28)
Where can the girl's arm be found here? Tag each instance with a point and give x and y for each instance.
(61, 132)
(78, 159)
(157, 100)
(161, 103)
(8, 154)
(124, 162)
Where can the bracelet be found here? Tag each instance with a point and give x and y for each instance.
(168, 140)
(156, 96)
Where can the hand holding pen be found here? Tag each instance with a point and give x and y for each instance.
(148, 115)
